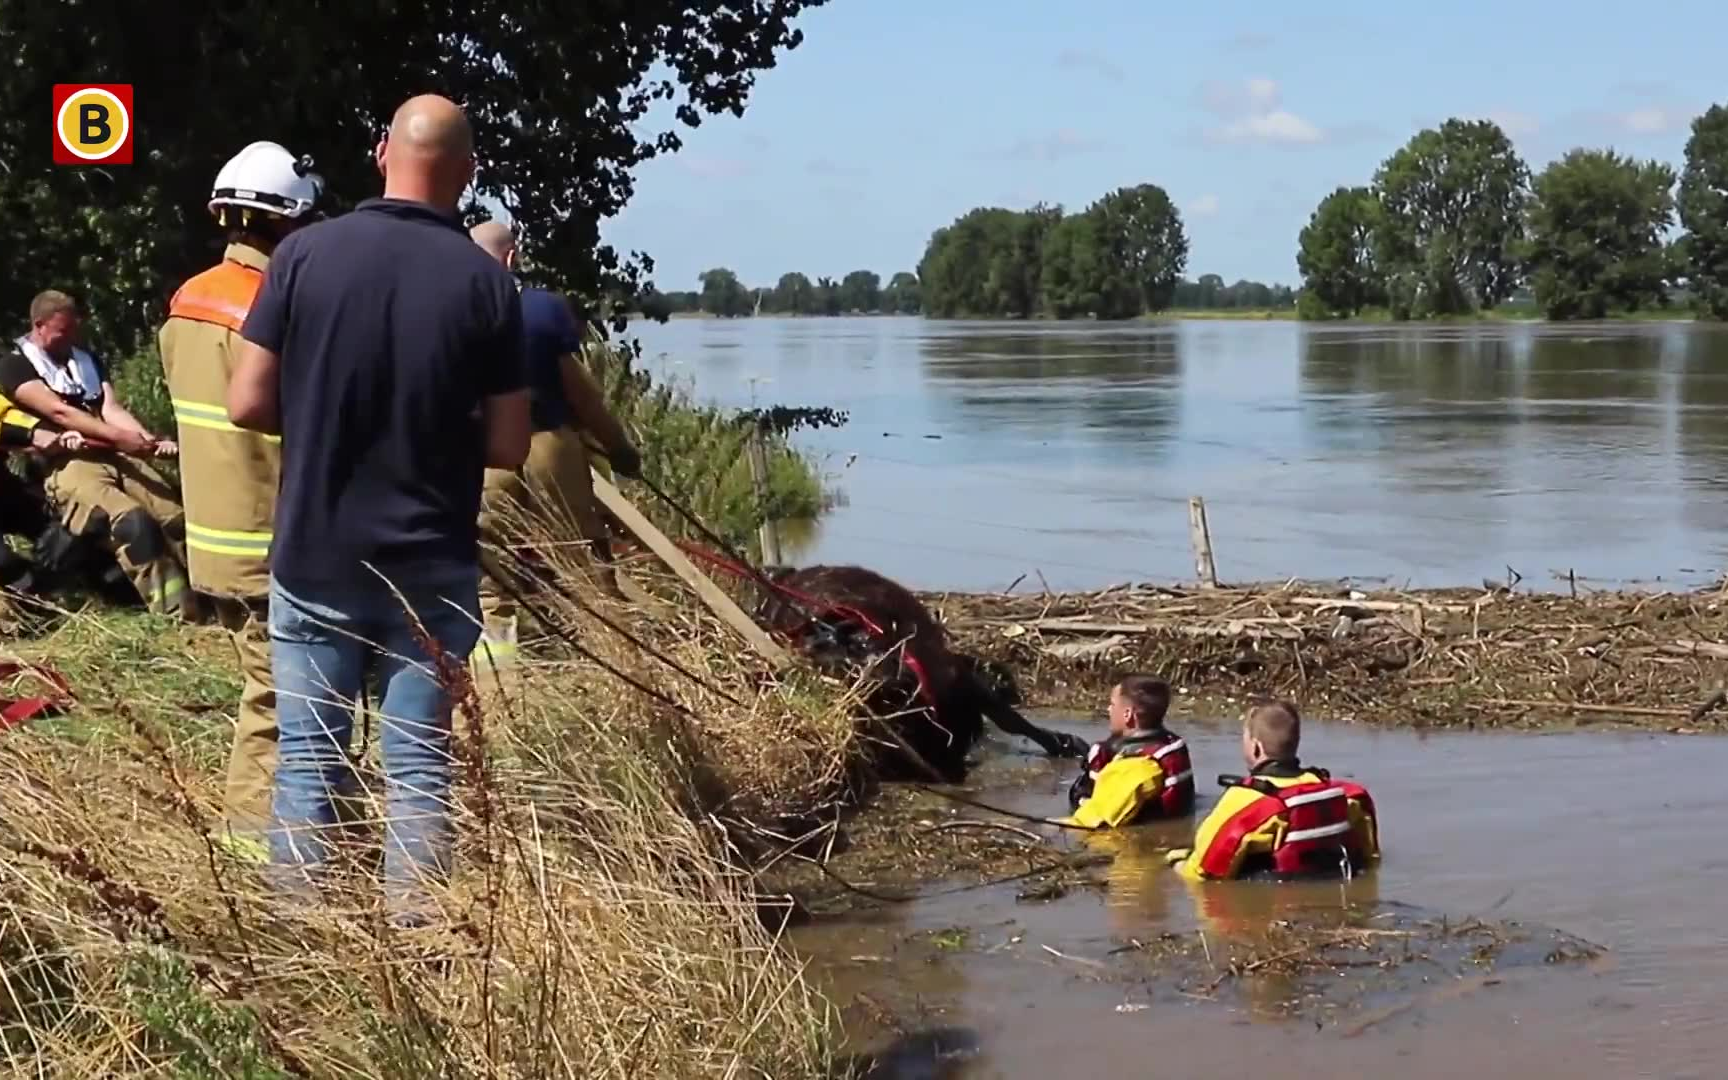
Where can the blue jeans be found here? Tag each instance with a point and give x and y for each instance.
(324, 642)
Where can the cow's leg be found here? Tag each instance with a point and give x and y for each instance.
(973, 694)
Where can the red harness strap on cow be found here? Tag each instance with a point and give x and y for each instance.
(821, 608)
(15, 711)
(1219, 856)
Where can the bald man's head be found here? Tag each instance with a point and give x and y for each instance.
(429, 154)
(497, 240)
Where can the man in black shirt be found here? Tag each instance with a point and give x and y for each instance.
(106, 491)
(386, 349)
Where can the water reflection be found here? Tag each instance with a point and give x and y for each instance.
(978, 453)
(1121, 389)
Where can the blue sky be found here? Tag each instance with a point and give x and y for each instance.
(896, 116)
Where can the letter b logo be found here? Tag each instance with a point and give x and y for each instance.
(93, 124)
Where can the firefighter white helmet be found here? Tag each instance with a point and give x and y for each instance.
(265, 176)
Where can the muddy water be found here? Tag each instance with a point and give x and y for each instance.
(980, 452)
(1609, 837)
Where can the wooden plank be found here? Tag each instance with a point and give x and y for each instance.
(673, 556)
(1697, 648)
(1201, 538)
(1368, 605)
(1589, 707)
(769, 532)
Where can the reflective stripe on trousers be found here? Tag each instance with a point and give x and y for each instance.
(228, 541)
(213, 417)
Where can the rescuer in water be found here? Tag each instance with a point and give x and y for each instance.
(1284, 819)
(1142, 771)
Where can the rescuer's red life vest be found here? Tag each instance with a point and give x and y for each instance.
(1164, 747)
(1317, 836)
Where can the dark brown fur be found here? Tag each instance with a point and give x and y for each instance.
(942, 739)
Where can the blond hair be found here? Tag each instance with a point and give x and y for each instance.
(49, 303)
(1276, 726)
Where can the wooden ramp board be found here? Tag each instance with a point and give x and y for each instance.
(673, 556)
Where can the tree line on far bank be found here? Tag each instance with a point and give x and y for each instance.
(724, 295)
(1454, 223)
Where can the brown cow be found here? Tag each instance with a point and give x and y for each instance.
(820, 612)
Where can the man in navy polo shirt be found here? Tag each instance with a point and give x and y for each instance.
(386, 349)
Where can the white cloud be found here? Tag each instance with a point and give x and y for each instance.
(1650, 120)
(1250, 112)
(1514, 123)
(1275, 126)
(1204, 206)
(1638, 111)
(1059, 144)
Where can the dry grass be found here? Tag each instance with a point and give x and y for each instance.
(600, 923)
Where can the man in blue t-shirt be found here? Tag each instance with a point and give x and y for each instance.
(386, 350)
(555, 485)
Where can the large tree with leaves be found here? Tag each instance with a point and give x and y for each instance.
(956, 270)
(1452, 218)
(902, 296)
(1144, 247)
(861, 291)
(563, 99)
(1335, 253)
(1075, 273)
(1595, 243)
(792, 295)
(1703, 204)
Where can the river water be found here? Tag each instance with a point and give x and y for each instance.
(1610, 837)
(981, 452)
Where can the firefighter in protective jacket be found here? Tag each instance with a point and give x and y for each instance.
(1284, 819)
(554, 486)
(229, 476)
(1142, 771)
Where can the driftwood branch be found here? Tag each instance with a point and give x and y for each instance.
(1587, 707)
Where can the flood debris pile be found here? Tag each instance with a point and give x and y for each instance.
(1444, 658)
(1358, 966)
(1354, 966)
(602, 922)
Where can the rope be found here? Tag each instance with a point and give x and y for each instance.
(565, 594)
(977, 804)
(812, 607)
(545, 618)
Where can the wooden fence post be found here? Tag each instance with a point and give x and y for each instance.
(1201, 539)
(670, 554)
(757, 452)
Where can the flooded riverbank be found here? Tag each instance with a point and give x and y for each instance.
(1495, 827)
(1427, 455)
